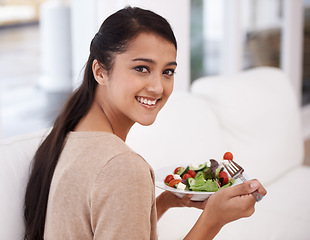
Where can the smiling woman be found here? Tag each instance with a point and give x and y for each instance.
(132, 59)
(78, 188)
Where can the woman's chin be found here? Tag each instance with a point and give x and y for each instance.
(147, 122)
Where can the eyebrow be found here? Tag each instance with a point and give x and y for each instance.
(152, 61)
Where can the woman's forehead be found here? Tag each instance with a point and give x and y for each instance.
(150, 45)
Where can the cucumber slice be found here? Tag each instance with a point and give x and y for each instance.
(190, 182)
(199, 168)
(185, 171)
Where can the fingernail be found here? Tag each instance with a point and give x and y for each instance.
(253, 185)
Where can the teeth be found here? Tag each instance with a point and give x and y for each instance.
(145, 101)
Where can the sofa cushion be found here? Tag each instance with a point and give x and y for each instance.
(283, 214)
(260, 117)
(185, 131)
(16, 155)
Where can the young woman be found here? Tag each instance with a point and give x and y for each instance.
(86, 183)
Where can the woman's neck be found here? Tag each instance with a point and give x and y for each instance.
(97, 120)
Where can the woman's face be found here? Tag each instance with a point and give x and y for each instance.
(141, 80)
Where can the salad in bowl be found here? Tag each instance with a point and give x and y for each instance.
(199, 180)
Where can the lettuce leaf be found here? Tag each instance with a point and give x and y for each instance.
(208, 186)
(204, 185)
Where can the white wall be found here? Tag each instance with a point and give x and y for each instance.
(83, 28)
(55, 42)
(87, 16)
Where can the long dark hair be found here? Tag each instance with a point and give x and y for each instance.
(113, 37)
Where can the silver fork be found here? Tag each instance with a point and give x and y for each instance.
(236, 171)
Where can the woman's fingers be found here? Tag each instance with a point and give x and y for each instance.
(187, 202)
(246, 188)
(260, 187)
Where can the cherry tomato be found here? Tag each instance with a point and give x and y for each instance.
(225, 177)
(192, 173)
(174, 182)
(228, 156)
(176, 170)
(169, 178)
(186, 176)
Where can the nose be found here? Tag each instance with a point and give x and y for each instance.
(155, 85)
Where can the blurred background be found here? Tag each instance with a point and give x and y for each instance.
(44, 46)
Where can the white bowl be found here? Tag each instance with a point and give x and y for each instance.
(160, 176)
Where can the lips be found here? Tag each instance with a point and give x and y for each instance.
(147, 101)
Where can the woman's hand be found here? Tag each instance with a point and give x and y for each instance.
(224, 206)
(168, 200)
(187, 202)
(235, 202)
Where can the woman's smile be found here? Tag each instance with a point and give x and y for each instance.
(148, 102)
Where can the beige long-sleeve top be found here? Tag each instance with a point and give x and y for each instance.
(101, 189)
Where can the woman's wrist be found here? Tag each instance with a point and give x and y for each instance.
(161, 205)
(165, 201)
(205, 228)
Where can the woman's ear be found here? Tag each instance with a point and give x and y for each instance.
(99, 73)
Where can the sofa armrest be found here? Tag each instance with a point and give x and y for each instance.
(16, 154)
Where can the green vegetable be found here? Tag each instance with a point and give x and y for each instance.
(198, 174)
(208, 186)
(199, 168)
(185, 171)
(199, 180)
(190, 182)
(201, 184)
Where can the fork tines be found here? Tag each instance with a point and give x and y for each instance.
(233, 168)
(235, 171)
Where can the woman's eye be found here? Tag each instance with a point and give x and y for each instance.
(142, 69)
(169, 72)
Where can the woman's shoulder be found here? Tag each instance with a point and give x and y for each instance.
(103, 151)
(129, 161)
(124, 170)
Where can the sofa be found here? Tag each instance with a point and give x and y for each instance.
(254, 114)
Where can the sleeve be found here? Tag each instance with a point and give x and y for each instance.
(122, 199)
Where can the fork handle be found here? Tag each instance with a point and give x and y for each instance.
(255, 194)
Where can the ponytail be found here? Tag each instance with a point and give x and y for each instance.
(47, 155)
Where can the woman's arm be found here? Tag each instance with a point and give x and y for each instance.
(224, 206)
(119, 211)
